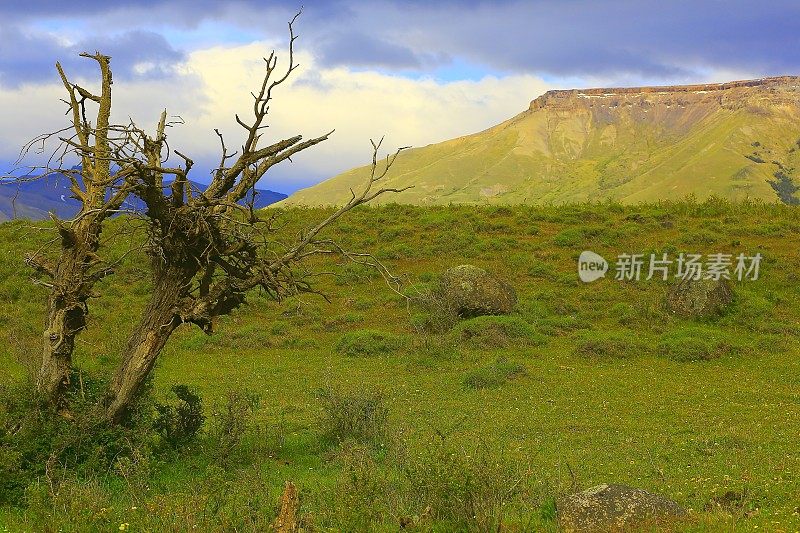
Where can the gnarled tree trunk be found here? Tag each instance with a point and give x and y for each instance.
(70, 289)
(66, 317)
(158, 321)
(76, 270)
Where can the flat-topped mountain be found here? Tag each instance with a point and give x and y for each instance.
(736, 140)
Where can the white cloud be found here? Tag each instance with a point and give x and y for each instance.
(215, 83)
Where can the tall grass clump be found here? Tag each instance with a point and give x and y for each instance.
(353, 416)
(463, 488)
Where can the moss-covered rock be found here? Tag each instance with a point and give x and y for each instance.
(471, 291)
(612, 507)
(701, 298)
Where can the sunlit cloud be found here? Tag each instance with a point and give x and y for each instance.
(212, 85)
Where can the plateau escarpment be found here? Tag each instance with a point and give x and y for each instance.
(735, 140)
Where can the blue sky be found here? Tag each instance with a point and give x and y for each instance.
(419, 72)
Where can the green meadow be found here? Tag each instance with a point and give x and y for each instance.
(388, 416)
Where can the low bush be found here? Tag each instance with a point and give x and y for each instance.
(341, 322)
(694, 344)
(355, 273)
(608, 345)
(555, 326)
(363, 488)
(436, 314)
(573, 237)
(35, 443)
(178, 423)
(494, 375)
(368, 342)
(498, 332)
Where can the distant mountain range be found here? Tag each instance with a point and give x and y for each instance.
(35, 199)
(734, 140)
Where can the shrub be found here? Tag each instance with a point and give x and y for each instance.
(573, 237)
(279, 327)
(498, 332)
(437, 315)
(698, 238)
(33, 439)
(342, 321)
(495, 374)
(359, 416)
(249, 336)
(624, 313)
(179, 423)
(368, 342)
(231, 421)
(542, 270)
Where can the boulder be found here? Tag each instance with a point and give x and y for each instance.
(700, 298)
(613, 507)
(470, 291)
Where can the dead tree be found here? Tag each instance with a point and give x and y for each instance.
(207, 250)
(71, 277)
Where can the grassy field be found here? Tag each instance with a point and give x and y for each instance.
(381, 421)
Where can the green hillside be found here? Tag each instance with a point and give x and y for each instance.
(627, 145)
(602, 384)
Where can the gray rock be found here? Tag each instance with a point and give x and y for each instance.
(606, 508)
(470, 291)
(700, 298)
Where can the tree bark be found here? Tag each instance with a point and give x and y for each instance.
(66, 318)
(158, 321)
(64, 321)
(76, 271)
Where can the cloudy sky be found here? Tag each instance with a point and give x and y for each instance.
(416, 71)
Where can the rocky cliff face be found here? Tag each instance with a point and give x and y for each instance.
(735, 140)
(783, 88)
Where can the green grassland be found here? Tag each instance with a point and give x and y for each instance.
(381, 417)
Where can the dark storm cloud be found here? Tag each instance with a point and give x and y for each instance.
(671, 41)
(668, 39)
(29, 57)
(187, 10)
(358, 49)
